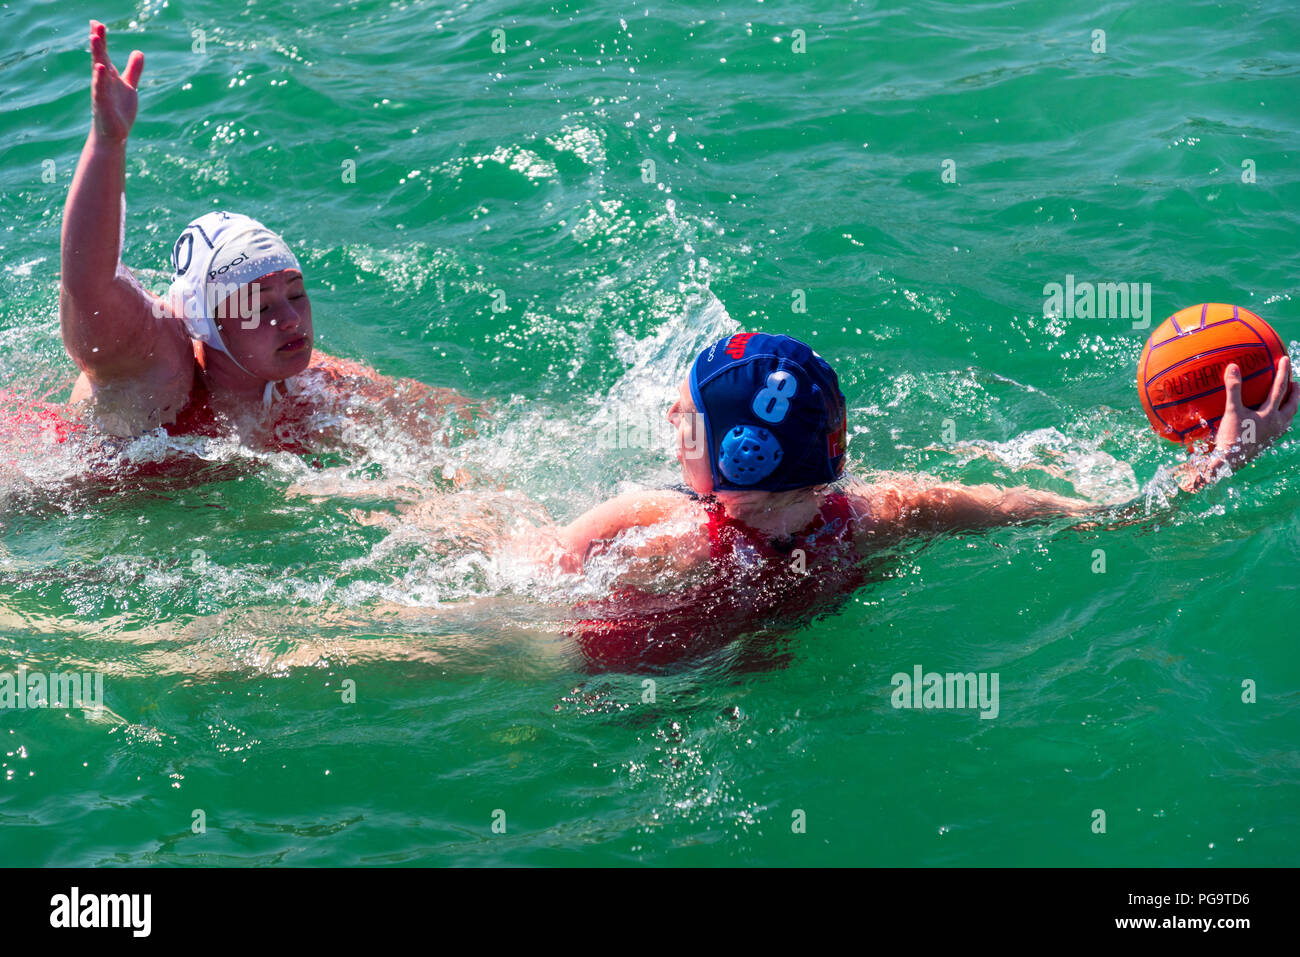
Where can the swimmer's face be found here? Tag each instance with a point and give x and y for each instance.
(268, 329)
(692, 444)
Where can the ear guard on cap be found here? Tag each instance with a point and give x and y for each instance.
(186, 301)
(748, 454)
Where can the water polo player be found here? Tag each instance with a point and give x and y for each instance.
(233, 336)
(767, 522)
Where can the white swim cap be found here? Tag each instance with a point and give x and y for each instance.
(216, 255)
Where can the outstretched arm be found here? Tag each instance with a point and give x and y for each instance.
(903, 505)
(110, 325)
(421, 412)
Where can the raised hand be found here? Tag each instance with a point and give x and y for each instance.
(1270, 420)
(112, 95)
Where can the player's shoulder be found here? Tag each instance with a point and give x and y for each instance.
(156, 395)
(882, 502)
(651, 506)
(632, 509)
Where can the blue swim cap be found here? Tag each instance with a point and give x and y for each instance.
(774, 416)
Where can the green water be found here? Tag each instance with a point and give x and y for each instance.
(226, 615)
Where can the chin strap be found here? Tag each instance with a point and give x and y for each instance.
(273, 393)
